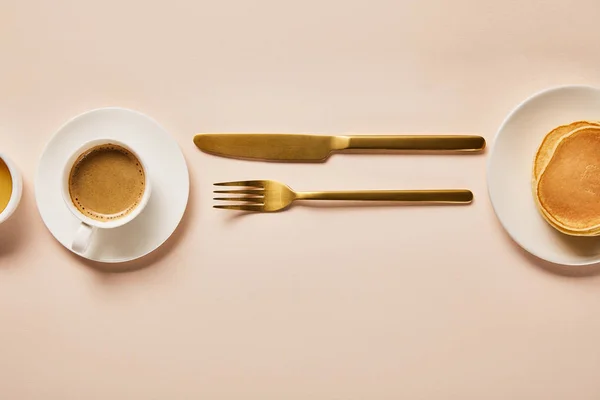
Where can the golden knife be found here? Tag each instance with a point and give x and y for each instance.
(317, 148)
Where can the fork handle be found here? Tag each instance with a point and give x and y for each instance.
(428, 196)
(417, 142)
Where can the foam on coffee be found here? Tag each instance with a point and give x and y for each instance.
(107, 182)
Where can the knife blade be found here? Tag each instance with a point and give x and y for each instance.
(318, 148)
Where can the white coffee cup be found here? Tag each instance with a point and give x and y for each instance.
(17, 189)
(84, 233)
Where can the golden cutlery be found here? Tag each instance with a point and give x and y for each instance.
(270, 196)
(317, 148)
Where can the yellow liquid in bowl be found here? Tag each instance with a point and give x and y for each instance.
(5, 185)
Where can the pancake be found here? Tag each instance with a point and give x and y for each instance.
(550, 142)
(566, 178)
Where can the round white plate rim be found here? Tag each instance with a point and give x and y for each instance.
(84, 114)
(490, 160)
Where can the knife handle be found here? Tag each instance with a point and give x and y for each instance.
(417, 142)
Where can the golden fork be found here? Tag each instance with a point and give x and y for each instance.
(270, 196)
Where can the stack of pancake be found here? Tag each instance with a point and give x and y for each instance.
(566, 178)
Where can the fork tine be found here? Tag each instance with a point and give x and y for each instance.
(259, 184)
(245, 207)
(242, 198)
(257, 192)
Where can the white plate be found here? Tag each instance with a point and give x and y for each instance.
(169, 175)
(510, 167)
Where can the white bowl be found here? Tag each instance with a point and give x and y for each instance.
(17, 189)
(510, 167)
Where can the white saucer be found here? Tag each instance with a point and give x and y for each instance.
(169, 175)
(510, 167)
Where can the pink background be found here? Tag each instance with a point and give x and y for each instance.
(316, 302)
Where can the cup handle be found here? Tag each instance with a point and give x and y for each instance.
(82, 239)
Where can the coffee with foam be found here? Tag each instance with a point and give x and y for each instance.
(107, 182)
(6, 185)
